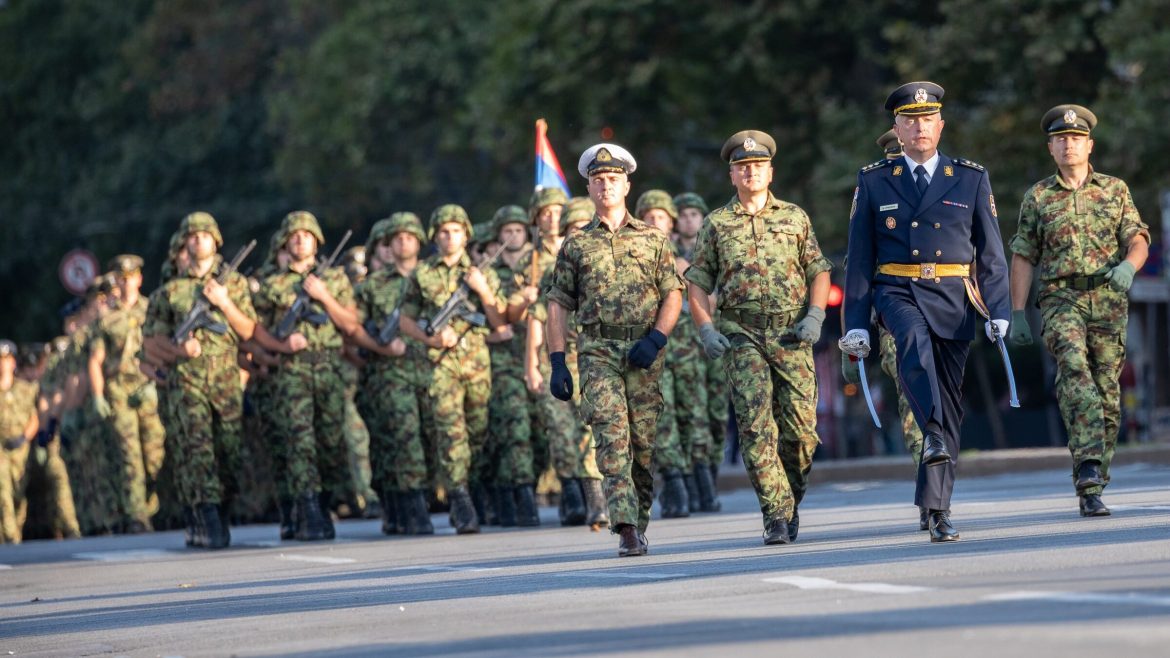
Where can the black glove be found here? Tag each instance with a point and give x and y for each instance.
(643, 353)
(42, 438)
(561, 384)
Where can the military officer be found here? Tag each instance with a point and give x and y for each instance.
(1081, 229)
(761, 254)
(918, 226)
(618, 276)
(911, 436)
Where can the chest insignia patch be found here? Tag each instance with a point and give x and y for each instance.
(897, 171)
(948, 171)
(888, 206)
(891, 223)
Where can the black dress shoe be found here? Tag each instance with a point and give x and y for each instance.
(776, 532)
(934, 449)
(793, 526)
(1092, 505)
(941, 529)
(1089, 475)
(629, 543)
(923, 522)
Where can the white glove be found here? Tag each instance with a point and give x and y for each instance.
(855, 342)
(1002, 325)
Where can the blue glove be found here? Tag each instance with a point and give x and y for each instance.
(643, 353)
(561, 384)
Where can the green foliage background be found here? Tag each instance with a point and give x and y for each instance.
(121, 117)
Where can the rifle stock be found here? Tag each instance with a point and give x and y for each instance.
(199, 317)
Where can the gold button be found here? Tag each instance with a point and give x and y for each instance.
(914, 253)
(938, 253)
(913, 224)
(937, 225)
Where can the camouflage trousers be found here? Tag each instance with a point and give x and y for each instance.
(170, 505)
(10, 529)
(207, 401)
(357, 443)
(774, 393)
(512, 429)
(683, 430)
(718, 407)
(48, 494)
(309, 412)
(93, 464)
(621, 403)
(393, 402)
(1085, 331)
(571, 448)
(138, 440)
(458, 397)
(911, 433)
(257, 476)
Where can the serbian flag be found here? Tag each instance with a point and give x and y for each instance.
(548, 170)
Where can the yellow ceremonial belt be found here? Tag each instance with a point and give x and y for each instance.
(925, 270)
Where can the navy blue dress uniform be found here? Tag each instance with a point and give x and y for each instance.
(921, 260)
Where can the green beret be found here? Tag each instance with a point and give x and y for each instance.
(748, 146)
(890, 145)
(125, 264)
(578, 210)
(200, 221)
(299, 220)
(660, 199)
(508, 215)
(545, 196)
(447, 214)
(691, 200)
(916, 99)
(1068, 119)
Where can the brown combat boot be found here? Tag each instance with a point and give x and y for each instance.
(629, 543)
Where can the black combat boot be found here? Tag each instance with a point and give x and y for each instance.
(572, 508)
(288, 524)
(325, 499)
(310, 525)
(217, 536)
(597, 509)
(674, 495)
(692, 492)
(1089, 475)
(506, 506)
(463, 515)
(483, 499)
(225, 520)
(705, 483)
(389, 512)
(527, 514)
(419, 516)
(193, 536)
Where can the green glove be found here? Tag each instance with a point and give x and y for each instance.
(1020, 333)
(102, 407)
(714, 343)
(849, 369)
(1120, 278)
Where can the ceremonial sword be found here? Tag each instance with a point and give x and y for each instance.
(865, 390)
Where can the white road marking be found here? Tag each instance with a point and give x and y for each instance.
(5, 566)
(805, 582)
(1126, 508)
(129, 555)
(622, 575)
(434, 567)
(322, 559)
(1083, 597)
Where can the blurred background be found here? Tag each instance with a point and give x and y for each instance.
(119, 118)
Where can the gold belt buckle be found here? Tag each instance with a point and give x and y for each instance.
(926, 270)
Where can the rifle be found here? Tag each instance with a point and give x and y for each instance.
(459, 305)
(388, 331)
(301, 308)
(199, 317)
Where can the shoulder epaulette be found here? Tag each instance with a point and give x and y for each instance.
(967, 163)
(875, 166)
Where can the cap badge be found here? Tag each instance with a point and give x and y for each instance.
(920, 95)
(749, 144)
(603, 156)
(891, 223)
(1070, 117)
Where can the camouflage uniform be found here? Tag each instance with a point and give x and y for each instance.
(1074, 236)
(204, 393)
(17, 404)
(90, 451)
(58, 496)
(136, 429)
(761, 266)
(308, 389)
(615, 282)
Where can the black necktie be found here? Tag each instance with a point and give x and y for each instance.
(920, 173)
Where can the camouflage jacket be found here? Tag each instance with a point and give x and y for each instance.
(1067, 232)
(511, 353)
(278, 291)
(16, 405)
(614, 277)
(377, 297)
(760, 263)
(120, 335)
(179, 295)
(433, 282)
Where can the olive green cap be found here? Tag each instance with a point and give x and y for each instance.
(660, 199)
(125, 264)
(691, 200)
(890, 145)
(1068, 119)
(748, 146)
(201, 221)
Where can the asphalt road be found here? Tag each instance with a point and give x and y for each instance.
(1029, 578)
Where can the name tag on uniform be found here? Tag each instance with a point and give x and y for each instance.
(888, 206)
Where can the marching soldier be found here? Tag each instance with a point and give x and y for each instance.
(18, 425)
(460, 386)
(918, 226)
(125, 398)
(1081, 229)
(761, 254)
(618, 276)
